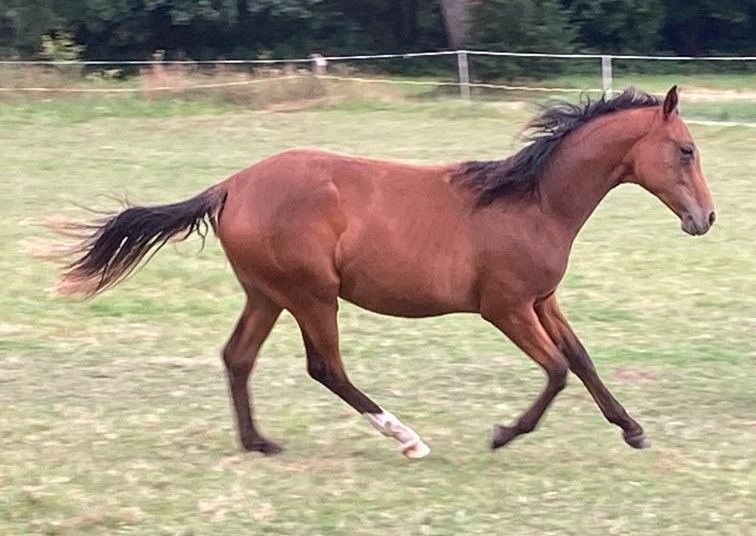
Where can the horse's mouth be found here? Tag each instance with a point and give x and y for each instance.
(690, 225)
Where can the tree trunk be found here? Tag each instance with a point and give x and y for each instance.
(457, 21)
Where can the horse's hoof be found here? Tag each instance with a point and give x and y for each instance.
(502, 435)
(416, 450)
(638, 441)
(265, 446)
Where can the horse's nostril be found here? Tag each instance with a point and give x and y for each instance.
(712, 217)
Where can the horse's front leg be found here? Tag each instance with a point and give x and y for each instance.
(524, 328)
(580, 363)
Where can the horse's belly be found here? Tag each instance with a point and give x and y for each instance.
(408, 287)
(391, 302)
(405, 250)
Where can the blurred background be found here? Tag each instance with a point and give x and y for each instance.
(256, 53)
(114, 413)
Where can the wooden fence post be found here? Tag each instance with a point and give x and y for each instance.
(464, 75)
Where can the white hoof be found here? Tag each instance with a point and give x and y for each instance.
(416, 450)
(410, 443)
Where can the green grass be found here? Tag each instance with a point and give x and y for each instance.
(687, 76)
(114, 416)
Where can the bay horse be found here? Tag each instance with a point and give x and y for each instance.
(305, 227)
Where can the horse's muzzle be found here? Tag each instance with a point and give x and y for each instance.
(698, 226)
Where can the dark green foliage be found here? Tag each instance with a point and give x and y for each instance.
(212, 28)
(713, 26)
(23, 23)
(248, 28)
(521, 26)
(620, 26)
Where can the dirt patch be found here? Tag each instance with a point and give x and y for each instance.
(699, 94)
(631, 374)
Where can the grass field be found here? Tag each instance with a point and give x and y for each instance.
(114, 417)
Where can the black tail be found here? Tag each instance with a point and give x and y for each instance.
(113, 247)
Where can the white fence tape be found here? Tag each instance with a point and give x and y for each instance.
(399, 81)
(148, 89)
(359, 57)
(611, 56)
(317, 60)
(393, 81)
(707, 123)
(263, 61)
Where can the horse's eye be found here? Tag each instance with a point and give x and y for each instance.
(687, 152)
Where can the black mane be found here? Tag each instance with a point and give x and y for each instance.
(519, 174)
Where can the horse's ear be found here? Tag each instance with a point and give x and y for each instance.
(670, 102)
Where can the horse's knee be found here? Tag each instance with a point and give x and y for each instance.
(317, 371)
(321, 372)
(331, 377)
(557, 374)
(236, 366)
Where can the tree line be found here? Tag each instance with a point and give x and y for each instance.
(207, 29)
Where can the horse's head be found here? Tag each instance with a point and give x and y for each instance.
(666, 163)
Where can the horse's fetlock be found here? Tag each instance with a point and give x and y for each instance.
(525, 427)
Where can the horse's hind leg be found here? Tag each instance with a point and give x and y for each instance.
(318, 322)
(239, 356)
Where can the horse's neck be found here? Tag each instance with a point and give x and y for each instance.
(587, 166)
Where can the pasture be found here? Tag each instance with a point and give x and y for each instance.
(114, 413)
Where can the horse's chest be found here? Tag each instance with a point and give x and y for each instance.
(523, 272)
